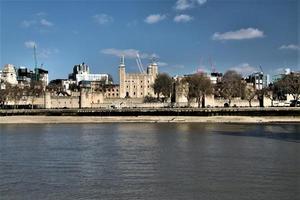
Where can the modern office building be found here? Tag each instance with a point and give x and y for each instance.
(259, 80)
(81, 72)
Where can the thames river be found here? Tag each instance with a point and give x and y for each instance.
(150, 161)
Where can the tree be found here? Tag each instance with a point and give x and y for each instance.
(199, 85)
(290, 84)
(54, 87)
(232, 86)
(163, 85)
(15, 93)
(267, 92)
(110, 79)
(73, 87)
(4, 94)
(35, 89)
(250, 94)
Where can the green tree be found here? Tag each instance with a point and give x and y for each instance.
(199, 85)
(163, 85)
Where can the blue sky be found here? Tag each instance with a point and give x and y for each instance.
(185, 35)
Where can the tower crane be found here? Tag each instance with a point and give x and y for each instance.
(35, 63)
(139, 63)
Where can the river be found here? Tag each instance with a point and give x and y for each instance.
(150, 161)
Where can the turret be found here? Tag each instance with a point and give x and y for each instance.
(122, 76)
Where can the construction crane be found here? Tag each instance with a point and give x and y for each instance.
(213, 68)
(35, 63)
(261, 69)
(34, 56)
(139, 63)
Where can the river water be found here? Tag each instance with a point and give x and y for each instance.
(150, 161)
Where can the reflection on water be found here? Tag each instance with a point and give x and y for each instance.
(149, 161)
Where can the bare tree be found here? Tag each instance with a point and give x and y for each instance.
(199, 85)
(35, 89)
(250, 94)
(290, 84)
(15, 93)
(4, 94)
(232, 86)
(266, 92)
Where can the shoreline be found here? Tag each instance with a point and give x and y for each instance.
(21, 119)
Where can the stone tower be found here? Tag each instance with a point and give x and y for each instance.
(122, 76)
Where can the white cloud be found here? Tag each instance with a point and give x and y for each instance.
(162, 64)
(30, 44)
(200, 2)
(36, 23)
(183, 4)
(154, 18)
(45, 22)
(28, 23)
(41, 14)
(241, 34)
(41, 52)
(182, 18)
(188, 4)
(103, 19)
(290, 47)
(128, 53)
(46, 53)
(244, 69)
(132, 23)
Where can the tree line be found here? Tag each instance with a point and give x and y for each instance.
(197, 86)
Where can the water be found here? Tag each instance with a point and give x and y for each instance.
(150, 161)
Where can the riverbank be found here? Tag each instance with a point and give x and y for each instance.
(142, 119)
(176, 112)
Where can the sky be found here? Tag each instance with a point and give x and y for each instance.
(185, 36)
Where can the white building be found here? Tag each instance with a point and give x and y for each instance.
(9, 74)
(82, 73)
(92, 77)
(259, 80)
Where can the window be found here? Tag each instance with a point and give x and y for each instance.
(141, 86)
(141, 93)
(134, 93)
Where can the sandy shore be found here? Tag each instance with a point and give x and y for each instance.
(140, 119)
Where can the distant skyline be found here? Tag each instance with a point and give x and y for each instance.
(185, 35)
